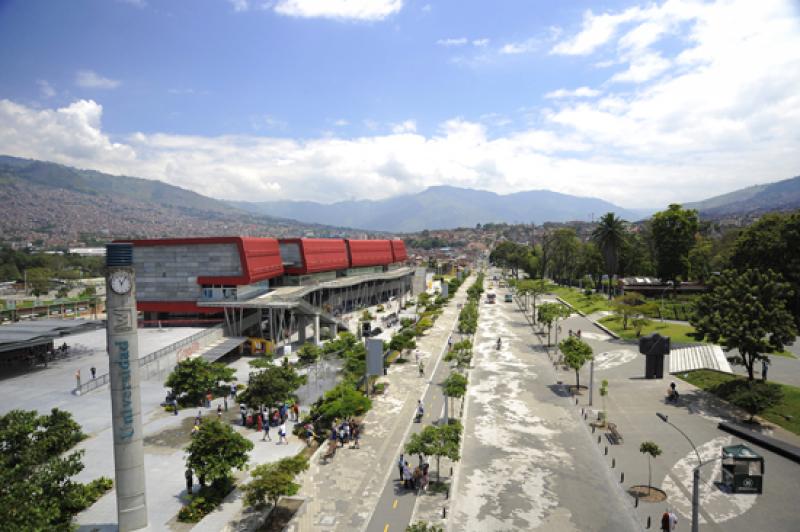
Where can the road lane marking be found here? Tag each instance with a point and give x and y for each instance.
(394, 505)
(386, 527)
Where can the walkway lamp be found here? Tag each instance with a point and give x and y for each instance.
(695, 474)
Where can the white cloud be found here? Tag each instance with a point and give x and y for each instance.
(88, 79)
(407, 126)
(597, 30)
(480, 43)
(339, 9)
(580, 92)
(526, 46)
(45, 89)
(460, 41)
(724, 114)
(341, 122)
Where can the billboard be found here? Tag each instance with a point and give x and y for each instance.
(374, 356)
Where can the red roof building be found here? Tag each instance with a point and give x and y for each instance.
(369, 253)
(302, 256)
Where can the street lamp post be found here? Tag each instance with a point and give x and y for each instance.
(695, 475)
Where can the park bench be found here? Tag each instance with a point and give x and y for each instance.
(615, 436)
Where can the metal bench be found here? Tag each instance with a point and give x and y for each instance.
(614, 435)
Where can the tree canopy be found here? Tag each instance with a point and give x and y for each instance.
(194, 377)
(272, 481)
(216, 449)
(272, 385)
(437, 441)
(746, 311)
(609, 236)
(36, 469)
(674, 233)
(576, 354)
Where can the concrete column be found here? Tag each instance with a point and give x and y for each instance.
(301, 329)
(126, 414)
(316, 329)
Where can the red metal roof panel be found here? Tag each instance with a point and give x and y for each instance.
(319, 255)
(369, 252)
(399, 250)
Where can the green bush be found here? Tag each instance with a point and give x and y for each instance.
(205, 501)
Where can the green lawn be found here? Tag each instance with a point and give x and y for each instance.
(790, 406)
(677, 332)
(576, 298)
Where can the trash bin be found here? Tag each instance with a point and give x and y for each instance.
(654, 347)
(742, 469)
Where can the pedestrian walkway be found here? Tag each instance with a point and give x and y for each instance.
(528, 463)
(343, 493)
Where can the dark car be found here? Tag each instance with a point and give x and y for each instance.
(376, 331)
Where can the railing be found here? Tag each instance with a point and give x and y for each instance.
(102, 380)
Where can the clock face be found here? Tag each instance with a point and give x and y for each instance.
(121, 282)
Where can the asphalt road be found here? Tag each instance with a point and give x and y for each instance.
(396, 504)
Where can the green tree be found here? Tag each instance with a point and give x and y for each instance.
(639, 322)
(423, 526)
(771, 244)
(674, 232)
(441, 441)
(755, 397)
(341, 402)
(194, 377)
(550, 313)
(454, 386)
(576, 354)
(628, 305)
(308, 353)
(700, 258)
(461, 353)
(746, 311)
(63, 291)
(652, 450)
(609, 236)
(564, 252)
(272, 481)
(272, 385)
(530, 289)
(39, 281)
(36, 469)
(215, 450)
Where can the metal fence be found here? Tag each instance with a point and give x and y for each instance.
(102, 380)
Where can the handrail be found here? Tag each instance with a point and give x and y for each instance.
(103, 379)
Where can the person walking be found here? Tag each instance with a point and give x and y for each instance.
(416, 356)
(296, 411)
(78, 378)
(764, 368)
(189, 480)
(266, 432)
(233, 391)
(421, 369)
(243, 412)
(400, 466)
(94, 372)
(407, 476)
(356, 431)
(673, 521)
(175, 405)
(282, 434)
(219, 411)
(665, 521)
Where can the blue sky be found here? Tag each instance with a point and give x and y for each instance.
(340, 99)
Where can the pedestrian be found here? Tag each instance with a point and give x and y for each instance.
(282, 434)
(673, 521)
(233, 391)
(421, 369)
(416, 478)
(275, 418)
(406, 476)
(225, 401)
(416, 356)
(209, 397)
(266, 432)
(309, 430)
(356, 435)
(579, 334)
(94, 372)
(175, 405)
(296, 411)
(764, 367)
(665, 522)
(425, 478)
(189, 482)
(243, 412)
(219, 411)
(400, 466)
(78, 378)
(284, 412)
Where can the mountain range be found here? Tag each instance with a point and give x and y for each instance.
(445, 207)
(58, 205)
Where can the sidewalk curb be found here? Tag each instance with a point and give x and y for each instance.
(595, 323)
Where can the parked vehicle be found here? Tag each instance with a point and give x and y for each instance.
(509, 298)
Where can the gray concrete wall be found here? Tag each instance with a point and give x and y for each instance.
(169, 273)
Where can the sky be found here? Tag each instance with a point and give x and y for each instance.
(637, 103)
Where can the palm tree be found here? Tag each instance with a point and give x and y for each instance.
(609, 235)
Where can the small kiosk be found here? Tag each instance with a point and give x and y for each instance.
(742, 469)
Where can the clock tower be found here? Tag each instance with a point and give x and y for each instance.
(123, 368)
